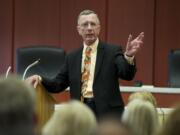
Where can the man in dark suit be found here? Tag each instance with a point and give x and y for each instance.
(100, 91)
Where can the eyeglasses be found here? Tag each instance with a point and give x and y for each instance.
(89, 24)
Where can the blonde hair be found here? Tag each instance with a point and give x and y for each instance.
(143, 95)
(73, 118)
(141, 116)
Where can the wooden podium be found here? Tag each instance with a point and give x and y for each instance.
(44, 106)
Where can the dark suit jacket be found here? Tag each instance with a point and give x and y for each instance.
(110, 66)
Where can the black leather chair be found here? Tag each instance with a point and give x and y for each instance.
(174, 68)
(51, 59)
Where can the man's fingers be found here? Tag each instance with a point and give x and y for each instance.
(136, 47)
(35, 84)
(129, 39)
(140, 36)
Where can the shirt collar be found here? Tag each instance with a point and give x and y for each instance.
(93, 46)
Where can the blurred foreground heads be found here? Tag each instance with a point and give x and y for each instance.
(141, 116)
(172, 124)
(17, 100)
(112, 126)
(143, 95)
(73, 118)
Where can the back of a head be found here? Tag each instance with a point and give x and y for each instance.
(172, 124)
(112, 126)
(141, 117)
(143, 95)
(73, 118)
(16, 107)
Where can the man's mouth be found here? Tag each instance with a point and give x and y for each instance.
(89, 35)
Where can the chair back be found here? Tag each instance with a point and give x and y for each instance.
(51, 60)
(174, 68)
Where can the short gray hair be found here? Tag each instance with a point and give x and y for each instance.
(87, 12)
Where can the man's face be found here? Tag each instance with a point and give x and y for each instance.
(89, 28)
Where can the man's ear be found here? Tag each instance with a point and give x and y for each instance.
(99, 29)
(78, 30)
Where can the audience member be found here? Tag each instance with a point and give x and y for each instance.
(172, 124)
(141, 117)
(144, 95)
(112, 126)
(73, 118)
(16, 107)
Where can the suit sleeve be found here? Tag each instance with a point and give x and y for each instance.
(60, 82)
(125, 70)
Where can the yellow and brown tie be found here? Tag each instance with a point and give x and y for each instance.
(86, 70)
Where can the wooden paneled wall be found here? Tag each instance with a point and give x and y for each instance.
(53, 22)
(6, 34)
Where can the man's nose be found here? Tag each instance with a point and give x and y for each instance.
(89, 26)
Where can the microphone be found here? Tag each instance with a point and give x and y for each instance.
(30, 66)
(7, 72)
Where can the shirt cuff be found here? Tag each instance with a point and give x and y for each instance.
(130, 60)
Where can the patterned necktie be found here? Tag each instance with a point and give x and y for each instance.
(86, 70)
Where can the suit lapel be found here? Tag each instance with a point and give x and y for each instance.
(99, 59)
(79, 61)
